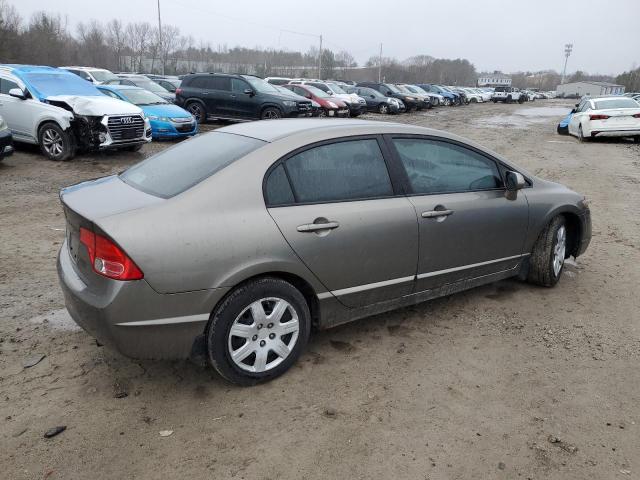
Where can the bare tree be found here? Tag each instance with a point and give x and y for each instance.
(116, 39)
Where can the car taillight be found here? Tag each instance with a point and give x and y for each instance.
(598, 117)
(178, 91)
(107, 258)
(636, 115)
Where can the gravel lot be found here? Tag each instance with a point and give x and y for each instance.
(502, 382)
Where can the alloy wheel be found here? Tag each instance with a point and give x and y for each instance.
(271, 114)
(559, 250)
(263, 335)
(384, 109)
(52, 142)
(196, 111)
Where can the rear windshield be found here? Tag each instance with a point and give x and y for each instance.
(181, 167)
(616, 103)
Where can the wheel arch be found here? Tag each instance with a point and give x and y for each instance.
(63, 123)
(573, 223)
(266, 105)
(306, 288)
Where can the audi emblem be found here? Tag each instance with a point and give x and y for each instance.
(126, 120)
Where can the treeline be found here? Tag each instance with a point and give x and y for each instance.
(630, 79)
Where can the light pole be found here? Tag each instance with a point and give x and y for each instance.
(160, 38)
(567, 52)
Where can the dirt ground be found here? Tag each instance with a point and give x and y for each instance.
(502, 382)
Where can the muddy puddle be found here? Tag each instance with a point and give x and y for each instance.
(523, 117)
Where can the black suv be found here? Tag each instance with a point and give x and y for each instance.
(389, 90)
(236, 97)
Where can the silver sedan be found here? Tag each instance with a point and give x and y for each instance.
(236, 243)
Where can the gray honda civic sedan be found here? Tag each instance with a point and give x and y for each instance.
(238, 242)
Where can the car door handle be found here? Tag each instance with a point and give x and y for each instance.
(314, 227)
(436, 213)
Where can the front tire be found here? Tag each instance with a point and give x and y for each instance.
(547, 259)
(383, 108)
(258, 332)
(56, 144)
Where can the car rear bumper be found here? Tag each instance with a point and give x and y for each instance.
(623, 132)
(134, 319)
(357, 108)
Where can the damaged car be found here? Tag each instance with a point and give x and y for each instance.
(63, 114)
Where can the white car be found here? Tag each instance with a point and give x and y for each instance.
(60, 112)
(93, 75)
(606, 117)
(507, 95)
(486, 96)
(472, 95)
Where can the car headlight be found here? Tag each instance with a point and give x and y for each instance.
(3, 124)
(332, 105)
(411, 99)
(315, 104)
(152, 117)
(289, 103)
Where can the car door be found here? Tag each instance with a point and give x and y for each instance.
(20, 115)
(468, 226)
(217, 98)
(242, 104)
(574, 123)
(337, 207)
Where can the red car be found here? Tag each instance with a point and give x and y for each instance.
(331, 106)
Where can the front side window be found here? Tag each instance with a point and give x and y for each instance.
(6, 85)
(349, 170)
(438, 167)
(238, 86)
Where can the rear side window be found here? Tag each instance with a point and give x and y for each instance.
(181, 167)
(339, 171)
(439, 167)
(278, 190)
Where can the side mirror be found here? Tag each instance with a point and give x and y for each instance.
(574, 110)
(17, 93)
(515, 181)
(249, 92)
(577, 104)
(372, 96)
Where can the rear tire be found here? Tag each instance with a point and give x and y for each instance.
(581, 136)
(547, 259)
(271, 113)
(246, 339)
(56, 144)
(383, 108)
(198, 111)
(636, 139)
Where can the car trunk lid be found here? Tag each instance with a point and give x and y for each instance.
(86, 203)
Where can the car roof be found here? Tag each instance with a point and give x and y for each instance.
(88, 69)
(118, 87)
(30, 68)
(271, 130)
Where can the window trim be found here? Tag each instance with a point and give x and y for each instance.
(501, 167)
(396, 186)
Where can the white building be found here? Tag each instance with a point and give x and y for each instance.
(593, 89)
(494, 80)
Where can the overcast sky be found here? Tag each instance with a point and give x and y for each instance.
(507, 35)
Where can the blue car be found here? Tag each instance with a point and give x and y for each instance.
(563, 126)
(167, 120)
(450, 98)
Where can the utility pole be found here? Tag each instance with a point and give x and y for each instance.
(160, 38)
(320, 60)
(567, 52)
(380, 65)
